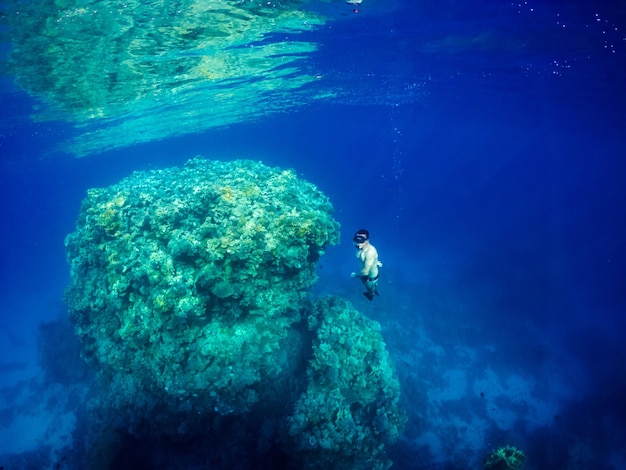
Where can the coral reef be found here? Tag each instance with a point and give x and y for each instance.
(188, 293)
(193, 276)
(504, 458)
(350, 407)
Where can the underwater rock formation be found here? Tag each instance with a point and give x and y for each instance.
(350, 407)
(505, 458)
(186, 277)
(188, 293)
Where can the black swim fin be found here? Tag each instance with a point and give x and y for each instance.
(369, 295)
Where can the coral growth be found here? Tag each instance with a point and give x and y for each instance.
(505, 458)
(188, 293)
(350, 407)
(193, 276)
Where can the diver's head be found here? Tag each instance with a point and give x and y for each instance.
(360, 237)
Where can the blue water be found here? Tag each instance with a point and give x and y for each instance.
(482, 144)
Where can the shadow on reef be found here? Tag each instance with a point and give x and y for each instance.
(234, 443)
(188, 292)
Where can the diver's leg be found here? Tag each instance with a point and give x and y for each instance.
(372, 289)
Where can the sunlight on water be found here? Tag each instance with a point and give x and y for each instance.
(130, 71)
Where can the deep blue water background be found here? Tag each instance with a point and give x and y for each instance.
(484, 147)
